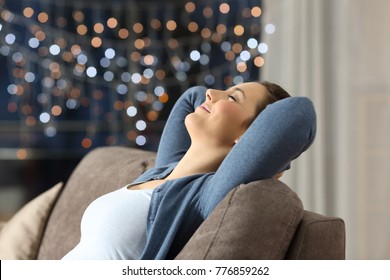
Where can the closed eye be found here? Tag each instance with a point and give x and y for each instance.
(232, 97)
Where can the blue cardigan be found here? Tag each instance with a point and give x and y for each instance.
(281, 132)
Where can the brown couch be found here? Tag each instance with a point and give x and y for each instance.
(260, 220)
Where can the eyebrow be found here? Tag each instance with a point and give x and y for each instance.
(238, 89)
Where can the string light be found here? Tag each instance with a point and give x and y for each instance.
(124, 70)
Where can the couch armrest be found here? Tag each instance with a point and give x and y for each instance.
(318, 238)
(254, 221)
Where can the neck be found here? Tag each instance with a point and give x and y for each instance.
(199, 160)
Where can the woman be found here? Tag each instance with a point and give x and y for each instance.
(213, 141)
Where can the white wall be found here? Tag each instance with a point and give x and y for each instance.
(338, 53)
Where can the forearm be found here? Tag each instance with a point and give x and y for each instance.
(175, 140)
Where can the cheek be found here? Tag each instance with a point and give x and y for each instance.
(232, 114)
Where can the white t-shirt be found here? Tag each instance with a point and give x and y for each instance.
(114, 226)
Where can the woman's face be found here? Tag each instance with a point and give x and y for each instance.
(226, 114)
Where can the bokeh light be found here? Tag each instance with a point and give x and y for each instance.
(114, 72)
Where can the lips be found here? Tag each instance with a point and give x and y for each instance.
(205, 108)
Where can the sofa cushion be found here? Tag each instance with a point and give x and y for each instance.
(254, 221)
(20, 237)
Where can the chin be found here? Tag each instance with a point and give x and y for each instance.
(187, 120)
(190, 123)
(196, 127)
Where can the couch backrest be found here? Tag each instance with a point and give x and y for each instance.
(101, 171)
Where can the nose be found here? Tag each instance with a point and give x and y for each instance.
(213, 95)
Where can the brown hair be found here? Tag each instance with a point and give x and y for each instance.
(275, 93)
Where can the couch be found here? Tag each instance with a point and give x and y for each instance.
(260, 220)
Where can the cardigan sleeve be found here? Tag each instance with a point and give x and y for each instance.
(175, 139)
